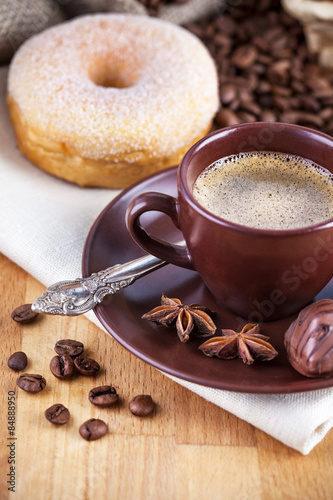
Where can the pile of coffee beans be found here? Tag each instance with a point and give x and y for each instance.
(265, 70)
(69, 360)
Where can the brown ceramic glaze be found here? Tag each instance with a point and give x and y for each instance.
(109, 243)
(259, 274)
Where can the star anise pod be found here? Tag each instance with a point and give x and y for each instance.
(186, 318)
(248, 345)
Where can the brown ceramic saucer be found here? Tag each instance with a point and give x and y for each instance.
(108, 243)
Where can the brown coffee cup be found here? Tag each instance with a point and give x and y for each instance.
(259, 274)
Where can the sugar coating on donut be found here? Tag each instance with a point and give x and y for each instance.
(110, 84)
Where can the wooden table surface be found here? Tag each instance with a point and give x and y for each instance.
(188, 449)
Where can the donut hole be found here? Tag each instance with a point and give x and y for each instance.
(116, 76)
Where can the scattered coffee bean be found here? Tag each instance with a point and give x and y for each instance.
(18, 361)
(71, 347)
(142, 405)
(62, 366)
(103, 396)
(31, 383)
(24, 314)
(57, 414)
(86, 366)
(93, 429)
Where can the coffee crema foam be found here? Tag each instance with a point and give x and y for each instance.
(266, 190)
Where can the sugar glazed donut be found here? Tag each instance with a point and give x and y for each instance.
(107, 99)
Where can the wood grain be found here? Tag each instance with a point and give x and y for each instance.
(188, 449)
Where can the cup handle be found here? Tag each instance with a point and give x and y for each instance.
(146, 202)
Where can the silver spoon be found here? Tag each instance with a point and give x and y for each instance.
(71, 298)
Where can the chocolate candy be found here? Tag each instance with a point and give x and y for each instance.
(309, 340)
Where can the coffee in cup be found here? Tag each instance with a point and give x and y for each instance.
(266, 190)
(265, 272)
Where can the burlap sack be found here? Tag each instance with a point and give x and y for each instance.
(73, 8)
(20, 19)
(179, 13)
(316, 18)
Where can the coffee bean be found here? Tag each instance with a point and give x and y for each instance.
(282, 91)
(318, 84)
(225, 24)
(93, 429)
(251, 107)
(142, 405)
(303, 118)
(264, 59)
(233, 106)
(309, 103)
(226, 118)
(57, 414)
(260, 43)
(268, 116)
(279, 72)
(103, 396)
(24, 314)
(71, 347)
(259, 69)
(281, 103)
(329, 127)
(62, 366)
(18, 361)
(244, 94)
(86, 366)
(244, 56)
(222, 39)
(326, 113)
(297, 86)
(247, 117)
(264, 87)
(273, 33)
(228, 93)
(31, 383)
(196, 29)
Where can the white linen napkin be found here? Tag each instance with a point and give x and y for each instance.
(43, 227)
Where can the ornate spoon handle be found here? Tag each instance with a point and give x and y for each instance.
(71, 298)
